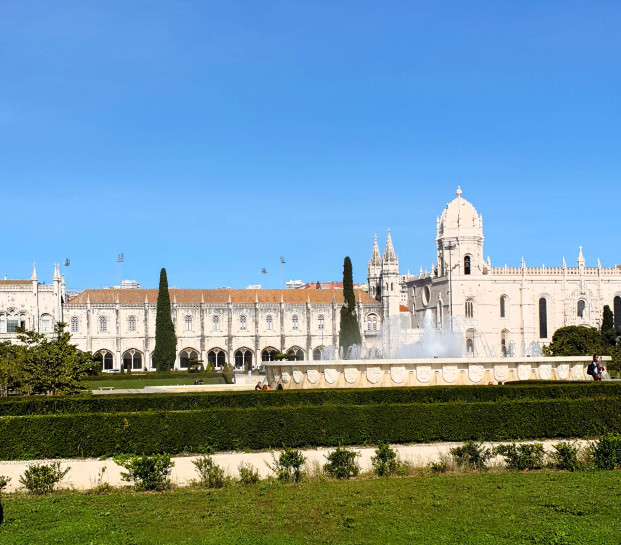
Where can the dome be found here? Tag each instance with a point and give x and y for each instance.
(460, 218)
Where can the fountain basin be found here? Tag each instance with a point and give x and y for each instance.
(379, 373)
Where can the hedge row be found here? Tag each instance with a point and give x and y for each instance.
(152, 374)
(44, 436)
(30, 405)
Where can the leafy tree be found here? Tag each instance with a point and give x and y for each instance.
(608, 328)
(54, 365)
(317, 285)
(165, 339)
(575, 340)
(349, 331)
(11, 357)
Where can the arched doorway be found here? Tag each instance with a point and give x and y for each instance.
(216, 358)
(132, 360)
(188, 357)
(107, 359)
(267, 354)
(295, 353)
(243, 358)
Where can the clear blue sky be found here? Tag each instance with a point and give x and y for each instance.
(213, 137)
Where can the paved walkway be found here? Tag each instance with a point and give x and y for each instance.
(88, 473)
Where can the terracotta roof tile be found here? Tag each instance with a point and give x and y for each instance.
(14, 282)
(217, 296)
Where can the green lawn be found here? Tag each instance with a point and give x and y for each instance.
(494, 508)
(142, 382)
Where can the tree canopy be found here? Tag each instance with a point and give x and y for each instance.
(575, 340)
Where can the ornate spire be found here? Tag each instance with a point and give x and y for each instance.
(389, 252)
(564, 263)
(56, 272)
(580, 257)
(34, 272)
(459, 191)
(375, 254)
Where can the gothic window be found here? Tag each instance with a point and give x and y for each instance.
(504, 342)
(617, 312)
(132, 359)
(439, 316)
(543, 318)
(188, 323)
(103, 324)
(46, 323)
(320, 321)
(295, 353)
(581, 307)
(216, 357)
(467, 264)
(269, 322)
(504, 300)
(392, 287)
(317, 353)
(243, 358)
(3, 323)
(74, 324)
(469, 308)
(188, 358)
(470, 342)
(267, 354)
(242, 322)
(216, 323)
(131, 322)
(295, 322)
(372, 322)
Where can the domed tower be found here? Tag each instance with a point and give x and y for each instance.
(460, 238)
(374, 272)
(390, 288)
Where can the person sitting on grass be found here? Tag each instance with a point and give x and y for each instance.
(258, 386)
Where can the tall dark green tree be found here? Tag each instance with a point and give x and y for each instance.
(165, 339)
(608, 328)
(349, 331)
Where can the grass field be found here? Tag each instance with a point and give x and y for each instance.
(140, 382)
(494, 508)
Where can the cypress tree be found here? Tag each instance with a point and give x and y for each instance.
(165, 339)
(608, 327)
(349, 331)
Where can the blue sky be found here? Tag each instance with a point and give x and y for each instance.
(213, 137)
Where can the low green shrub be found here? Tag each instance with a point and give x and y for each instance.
(565, 457)
(522, 457)
(288, 467)
(441, 466)
(342, 463)
(248, 474)
(3, 482)
(607, 452)
(147, 472)
(471, 455)
(385, 460)
(42, 478)
(211, 474)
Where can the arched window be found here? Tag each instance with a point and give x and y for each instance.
(269, 323)
(467, 264)
(242, 322)
(243, 358)
(372, 322)
(295, 322)
(3, 323)
(267, 354)
(543, 318)
(11, 321)
(469, 308)
(132, 359)
(581, 307)
(504, 342)
(617, 312)
(216, 323)
(295, 353)
(439, 316)
(74, 324)
(188, 358)
(188, 323)
(317, 353)
(216, 357)
(320, 321)
(46, 323)
(504, 300)
(470, 342)
(107, 360)
(131, 323)
(392, 288)
(103, 324)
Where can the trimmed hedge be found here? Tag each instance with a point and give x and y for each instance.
(117, 403)
(53, 436)
(137, 375)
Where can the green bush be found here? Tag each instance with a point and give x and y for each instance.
(211, 474)
(522, 457)
(607, 452)
(385, 460)
(248, 474)
(147, 472)
(565, 457)
(288, 467)
(342, 463)
(471, 455)
(42, 478)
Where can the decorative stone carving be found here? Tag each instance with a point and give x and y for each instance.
(297, 376)
(398, 374)
(523, 371)
(577, 372)
(501, 372)
(545, 371)
(423, 373)
(450, 373)
(475, 372)
(351, 375)
(562, 371)
(285, 377)
(313, 376)
(330, 375)
(374, 374)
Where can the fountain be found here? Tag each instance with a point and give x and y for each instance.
(403, 356)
